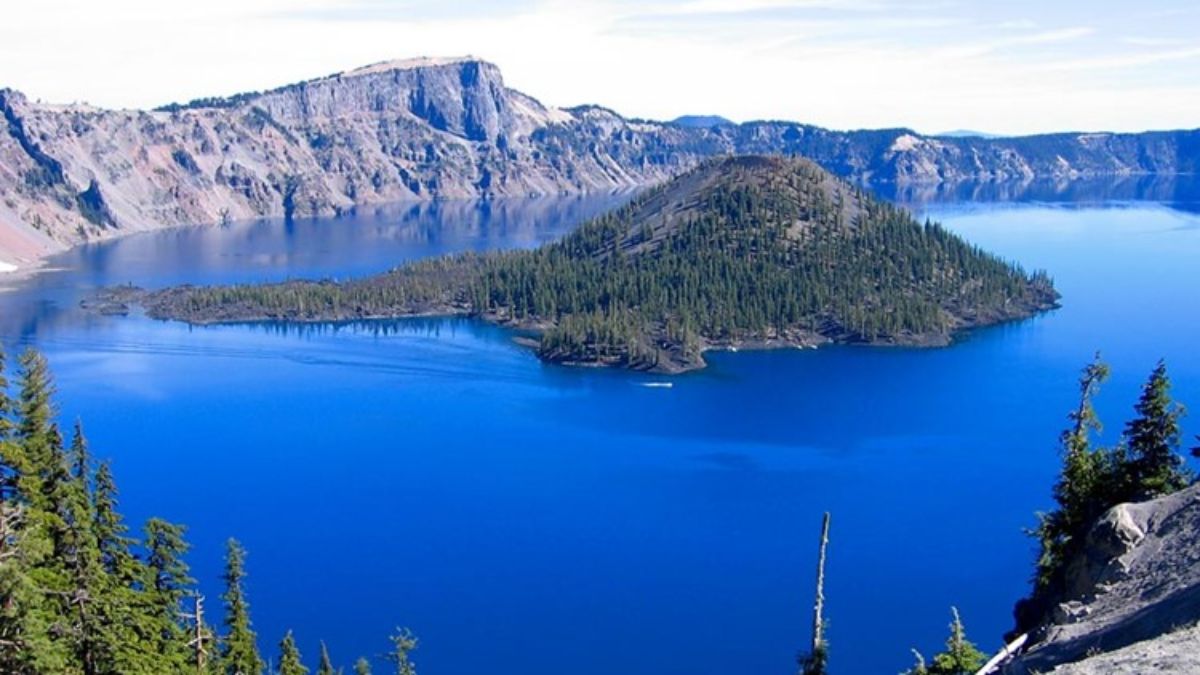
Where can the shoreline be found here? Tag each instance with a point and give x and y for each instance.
(670, 358)
(11, 279)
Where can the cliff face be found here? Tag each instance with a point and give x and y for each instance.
(1137, 595)
(432, 128)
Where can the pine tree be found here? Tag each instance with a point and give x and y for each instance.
(6, 403)
(961, 656)
(111, 533)
(167, 582)
(240, 653)
(325, 667)
(1153, 437)
(919, 666)
(36, 625)
(32, 458)
(80, 553)
(289, 657)
(362, 667)
(1084, 481)
(403, 644)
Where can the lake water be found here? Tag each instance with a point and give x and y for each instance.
(535, 519)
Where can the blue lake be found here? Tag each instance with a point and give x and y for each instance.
(541, 520)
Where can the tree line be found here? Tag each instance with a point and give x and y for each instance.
(80, 595)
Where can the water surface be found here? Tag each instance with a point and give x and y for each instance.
(538, 519)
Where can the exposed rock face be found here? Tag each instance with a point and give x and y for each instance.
(433, 128)
(1136, 585)
(1177, 652)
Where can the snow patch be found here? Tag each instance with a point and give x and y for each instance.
(905, 143)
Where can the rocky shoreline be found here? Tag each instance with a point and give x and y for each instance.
(672, 358)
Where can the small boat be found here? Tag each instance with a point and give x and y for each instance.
(658, 385)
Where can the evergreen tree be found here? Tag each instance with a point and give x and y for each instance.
(167, 582)
(111, 533)
(325, 667)
(362, 667)
(961, 656)
(1086, 477)
(6, 403)
(35, 428)
(919, 666)
(403, 644)
(80, 552)
(37, 628)
(1155, 466)
(289, 657)
(240, 653)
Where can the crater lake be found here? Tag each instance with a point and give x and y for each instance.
(433, 474)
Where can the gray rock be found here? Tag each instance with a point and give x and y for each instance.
(437, 128)
(1138, 581)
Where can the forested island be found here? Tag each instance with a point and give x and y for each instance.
(740, 252)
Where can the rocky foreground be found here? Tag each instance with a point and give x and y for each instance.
(1137, 593)
(438, 128)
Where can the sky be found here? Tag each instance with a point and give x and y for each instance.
(1008, 67)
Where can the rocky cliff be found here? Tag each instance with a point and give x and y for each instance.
(437, 128)
(1136, 597)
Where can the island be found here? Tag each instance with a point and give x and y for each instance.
(739, 252)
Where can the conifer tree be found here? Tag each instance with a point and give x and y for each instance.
(289, 657)
(79, 552)
(1085, 477)
(1155, 466)
(325, 667)
(362, 666)
(919, 666)
(6, 403)
(74, 599)
(111, 533)
(167, 582)
(35, 615)
(240, 653)
(35, 424)
(133, 638)
(403, 644)
(961, 657)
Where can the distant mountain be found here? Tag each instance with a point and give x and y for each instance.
(438, 128)
(966, 133)
(740, 252)
(702, 121)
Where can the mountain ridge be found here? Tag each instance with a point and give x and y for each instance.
(436, 129)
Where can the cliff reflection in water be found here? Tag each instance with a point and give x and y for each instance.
(365, 242)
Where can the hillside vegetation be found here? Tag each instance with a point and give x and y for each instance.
(744, 251)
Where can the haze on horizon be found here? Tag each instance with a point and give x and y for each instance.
(934, 65)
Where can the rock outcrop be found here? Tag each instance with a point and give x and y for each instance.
(1137, 594)
(437, 128)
